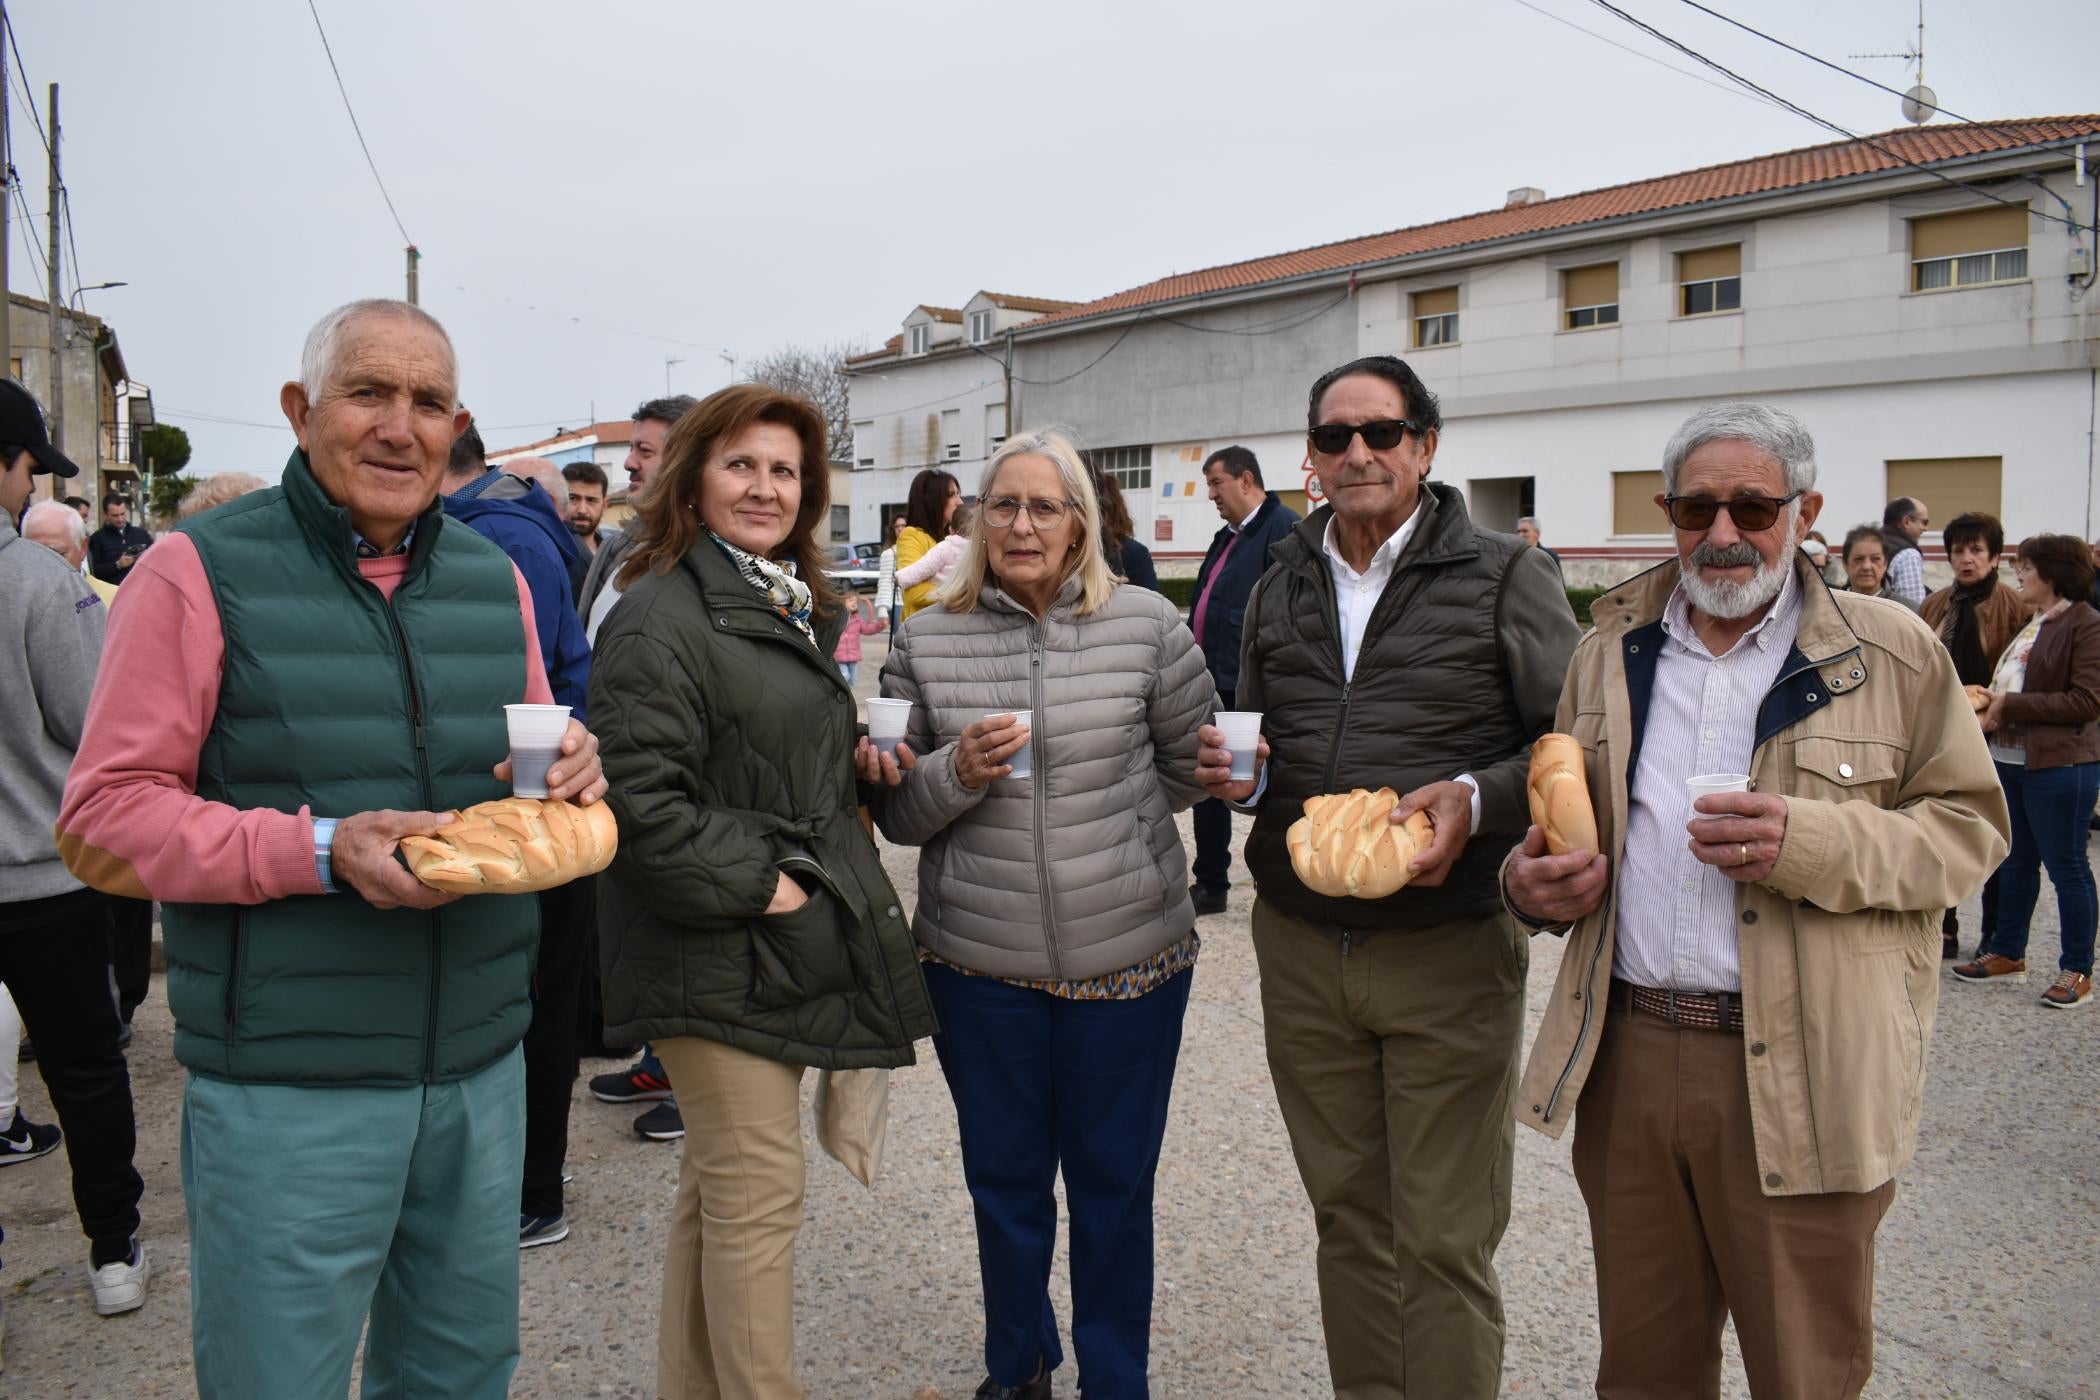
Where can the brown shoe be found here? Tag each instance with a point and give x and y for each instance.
(2070, 989)
(1990, 965)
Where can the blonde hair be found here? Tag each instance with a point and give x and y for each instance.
(1054, 445)
(217, 490)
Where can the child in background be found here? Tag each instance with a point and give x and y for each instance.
(939, 562)
(861, 618)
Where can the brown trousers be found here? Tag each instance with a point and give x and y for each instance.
(1685, 1237)
(1395, 1066)
(728, 1326)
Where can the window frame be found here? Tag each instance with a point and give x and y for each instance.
(1447, 330)
(1714, 284)
(1598, 320)
(917, 339)
(980, 326)
(1953, 262)
(1130, 466)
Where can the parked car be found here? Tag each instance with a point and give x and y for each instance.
(850, 569)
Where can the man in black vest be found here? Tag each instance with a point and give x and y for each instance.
(1238, 556)
(1395, 645)
(114, 548)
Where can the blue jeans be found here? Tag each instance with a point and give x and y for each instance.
(2050, 811)
(1044, 1083)
(849, 671)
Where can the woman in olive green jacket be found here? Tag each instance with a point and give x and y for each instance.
(747, 928)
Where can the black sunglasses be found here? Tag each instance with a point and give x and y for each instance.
(1748, 512)
(1379, 434)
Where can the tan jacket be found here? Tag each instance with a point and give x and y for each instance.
(1894, 813)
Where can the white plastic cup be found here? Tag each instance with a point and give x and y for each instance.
(535, 743)
(1706, 784)
(888, 721)
(1242, 737)
(1022, 763)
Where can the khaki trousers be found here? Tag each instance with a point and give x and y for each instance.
(1395, 1065)
(1684, 1236)
(728, 1326)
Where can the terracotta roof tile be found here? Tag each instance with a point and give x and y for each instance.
(942, 313)
(617, 431)
(893, 346)
(1040, 305)
(1785, 170)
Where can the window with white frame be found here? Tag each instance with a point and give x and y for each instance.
(1436, 317)
(1710, 281)
(915, 340)
(980, 327)
(1131, 467)
(1589, 297)
(1969, 249)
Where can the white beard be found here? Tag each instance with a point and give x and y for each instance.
(1728, 599)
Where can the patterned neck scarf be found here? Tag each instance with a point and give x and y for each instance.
(777, 583)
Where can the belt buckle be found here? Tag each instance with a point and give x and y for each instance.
(1670, 1006)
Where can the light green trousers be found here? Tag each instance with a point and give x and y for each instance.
(311, 1207)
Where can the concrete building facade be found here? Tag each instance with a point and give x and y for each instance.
(1922, 298)
(91, 374)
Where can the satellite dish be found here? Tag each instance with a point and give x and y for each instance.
(1920, 105)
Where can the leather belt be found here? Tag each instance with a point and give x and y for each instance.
(1699, 1011)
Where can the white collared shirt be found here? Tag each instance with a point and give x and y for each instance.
(1676, 914)
(1357, 594)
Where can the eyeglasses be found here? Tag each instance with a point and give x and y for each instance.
(1378, 435)
(1000, 512)
(1748, 512)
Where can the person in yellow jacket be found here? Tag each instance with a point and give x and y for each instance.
(927, 511)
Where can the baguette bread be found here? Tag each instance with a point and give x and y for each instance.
(514, 845)
(1979, 697)
(1347, 846)
(1560, 795)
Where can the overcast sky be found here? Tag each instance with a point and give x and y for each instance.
(597, 188)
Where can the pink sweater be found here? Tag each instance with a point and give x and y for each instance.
(849, 640)
(131, 822)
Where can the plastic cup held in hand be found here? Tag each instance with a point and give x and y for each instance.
(1242, 737)
(1707, 784)
(888, 721)
(535, 743)
(1022, 763)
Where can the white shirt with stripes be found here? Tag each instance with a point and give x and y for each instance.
(1676, 915)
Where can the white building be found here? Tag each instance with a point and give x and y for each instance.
(933, 396)
(1921, 298)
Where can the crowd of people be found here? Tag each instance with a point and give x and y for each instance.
(315, 672)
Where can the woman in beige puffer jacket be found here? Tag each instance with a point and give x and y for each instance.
(1053, 916)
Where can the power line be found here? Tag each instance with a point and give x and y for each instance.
(1828, 124)
(1649, 57)
(356, 128)
(28, 93)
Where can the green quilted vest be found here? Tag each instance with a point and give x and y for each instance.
(332, 697)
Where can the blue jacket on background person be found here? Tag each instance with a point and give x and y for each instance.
(518, 516)
(1228, 603)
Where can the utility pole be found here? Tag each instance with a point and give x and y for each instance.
(415, 286)
(56, 299)
(7, 189)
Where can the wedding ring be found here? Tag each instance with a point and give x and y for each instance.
(1744, 851)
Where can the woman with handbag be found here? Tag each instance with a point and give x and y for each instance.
(1053, 907)
(748, 930)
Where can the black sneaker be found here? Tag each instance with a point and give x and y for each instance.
(1037, 1389)
(1206, 899)
(534, 1230)
(662, 1123)
(25, 1140)
(638, 1083)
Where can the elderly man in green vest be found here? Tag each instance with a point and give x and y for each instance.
(299, 680)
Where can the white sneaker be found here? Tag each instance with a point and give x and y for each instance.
(121, 1287)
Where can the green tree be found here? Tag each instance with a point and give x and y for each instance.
(165, 447)
(166, 490)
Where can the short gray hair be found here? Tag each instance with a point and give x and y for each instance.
(1773, 431)
(65, 515)
(665, 410)
(216, 490)
(546, 474)
(324, 341)
(1531, 520)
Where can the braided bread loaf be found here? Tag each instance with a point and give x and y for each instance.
(514, 845)
(1346, 844)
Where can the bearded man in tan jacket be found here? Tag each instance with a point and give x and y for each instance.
(1749, 985)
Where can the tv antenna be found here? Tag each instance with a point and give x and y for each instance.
(1921, 104)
